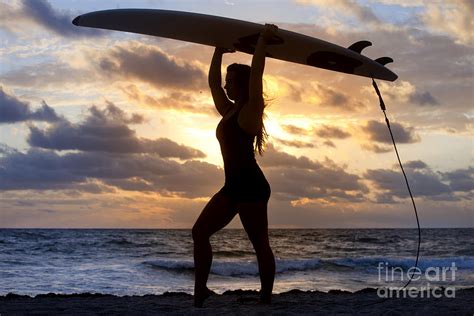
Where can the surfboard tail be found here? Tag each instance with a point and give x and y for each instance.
(76, 20)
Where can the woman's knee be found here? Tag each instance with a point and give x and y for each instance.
(199, 234)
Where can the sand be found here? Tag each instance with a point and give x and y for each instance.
(364, 302)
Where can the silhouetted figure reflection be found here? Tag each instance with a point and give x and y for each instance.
(246, 191)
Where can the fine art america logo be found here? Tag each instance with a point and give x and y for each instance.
(430, 275)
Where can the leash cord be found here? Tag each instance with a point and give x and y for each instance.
(382, 106)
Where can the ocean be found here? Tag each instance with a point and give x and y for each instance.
(154, 261)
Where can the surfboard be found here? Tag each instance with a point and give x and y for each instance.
(241, 36)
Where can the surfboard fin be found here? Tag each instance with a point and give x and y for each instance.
(359, 46)
(384, 60)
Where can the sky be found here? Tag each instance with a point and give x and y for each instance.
(104, 129)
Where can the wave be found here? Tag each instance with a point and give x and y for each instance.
(126, 243)
(171, 264)
(233, 267)
(250, 268)
(233, 253)
(423, 263)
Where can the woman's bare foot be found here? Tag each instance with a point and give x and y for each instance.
(200, 297)
(265, 299)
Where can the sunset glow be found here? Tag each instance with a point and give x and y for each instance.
(110, 129)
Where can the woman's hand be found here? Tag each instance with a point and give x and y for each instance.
(269, 32)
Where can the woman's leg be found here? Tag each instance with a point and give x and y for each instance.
(254, 219)
(218, 212)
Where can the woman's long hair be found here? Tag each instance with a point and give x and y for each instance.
(242, 76)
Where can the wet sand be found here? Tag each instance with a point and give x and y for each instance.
(296, 302)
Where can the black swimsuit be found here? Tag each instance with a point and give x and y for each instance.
(244, 180)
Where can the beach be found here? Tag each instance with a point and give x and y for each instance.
(238, 302)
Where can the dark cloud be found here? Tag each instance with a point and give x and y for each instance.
(422, 184)
(332, 98)
(58, 22)
(174, 100)
(323, 131)
(423, 98)
(378, 132)
(291, 177)
(292, 129)
(416, 164)
(152, 65)
(377, 149)
(326, 131)
(95, 172)
(39, 170)
(329, 143)
(294, 178)
(51, 75)
(461, 179)
(276, 158)
(13, 110)
(107, 131)
(295, 143)
(448, 186)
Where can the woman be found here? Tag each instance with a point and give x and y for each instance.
(246, 191)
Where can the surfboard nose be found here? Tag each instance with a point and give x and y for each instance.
(76, 20)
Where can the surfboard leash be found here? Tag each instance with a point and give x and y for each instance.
(382, 106)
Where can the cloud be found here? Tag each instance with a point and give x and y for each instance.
(448, 186)
(423, 98)
(174, 100)
(378, 132)
(300, 178)
(48, 75)
(402, 3)
(307, 91)
(326, 131)
(392, 181)
(6, 150)
(13, 110)
(453, 17)
(460, 179)
(416, 164)
(291, 178)
(10, 18)
(329, 143)
(276, 158)
(332, 98)
(376, 148)
(295, 143)
(35, 170)
(346, 7)
(406, 92)
(96, 172)
(60, 23)
(152, 65)
(106, 131)
(292, 129)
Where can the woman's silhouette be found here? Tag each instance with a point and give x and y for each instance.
(246, 191)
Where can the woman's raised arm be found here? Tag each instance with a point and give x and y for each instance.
(251, 114)
(221, 101)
